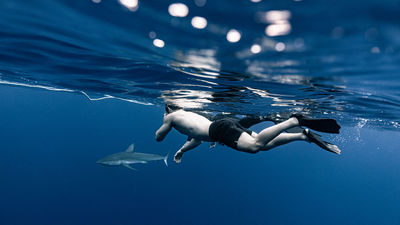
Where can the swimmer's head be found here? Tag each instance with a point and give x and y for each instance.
(171, 108)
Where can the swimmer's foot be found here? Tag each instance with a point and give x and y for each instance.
(315, 138)
(178, 156)
(322, 125)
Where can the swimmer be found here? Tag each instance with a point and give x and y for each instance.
(234, 132)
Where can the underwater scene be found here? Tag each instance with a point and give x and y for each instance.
(98, 96)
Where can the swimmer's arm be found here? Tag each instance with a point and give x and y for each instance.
(189, 145)
(162, 132)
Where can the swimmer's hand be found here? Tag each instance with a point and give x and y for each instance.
(178, 156)
(212, 144)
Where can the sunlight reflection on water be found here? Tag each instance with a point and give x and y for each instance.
(300, 53)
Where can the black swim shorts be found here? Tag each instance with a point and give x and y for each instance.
(227, 131)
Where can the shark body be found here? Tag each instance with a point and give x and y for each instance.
(128, 157)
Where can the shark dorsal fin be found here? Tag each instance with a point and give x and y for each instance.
(130, 148)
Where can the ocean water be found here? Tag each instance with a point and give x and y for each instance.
(80, 80)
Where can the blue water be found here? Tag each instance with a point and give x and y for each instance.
(80, 80)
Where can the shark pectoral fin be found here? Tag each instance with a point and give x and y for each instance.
(129, 167)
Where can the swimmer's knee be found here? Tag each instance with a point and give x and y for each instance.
(257, 147)
(252, 149)
(249, 145)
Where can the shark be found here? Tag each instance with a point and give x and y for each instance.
(129, 156)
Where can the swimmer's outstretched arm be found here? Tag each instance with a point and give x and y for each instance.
(162, 132)
(189, 145)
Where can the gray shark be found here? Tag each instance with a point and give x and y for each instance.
(128, 157)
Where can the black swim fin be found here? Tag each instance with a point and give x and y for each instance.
(315, 138)
(322, 125)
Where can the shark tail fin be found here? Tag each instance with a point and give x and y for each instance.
(166, 159)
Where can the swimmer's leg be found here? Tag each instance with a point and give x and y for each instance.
(268, 134)
(306, 135)
(249, 121)
(284, 138)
